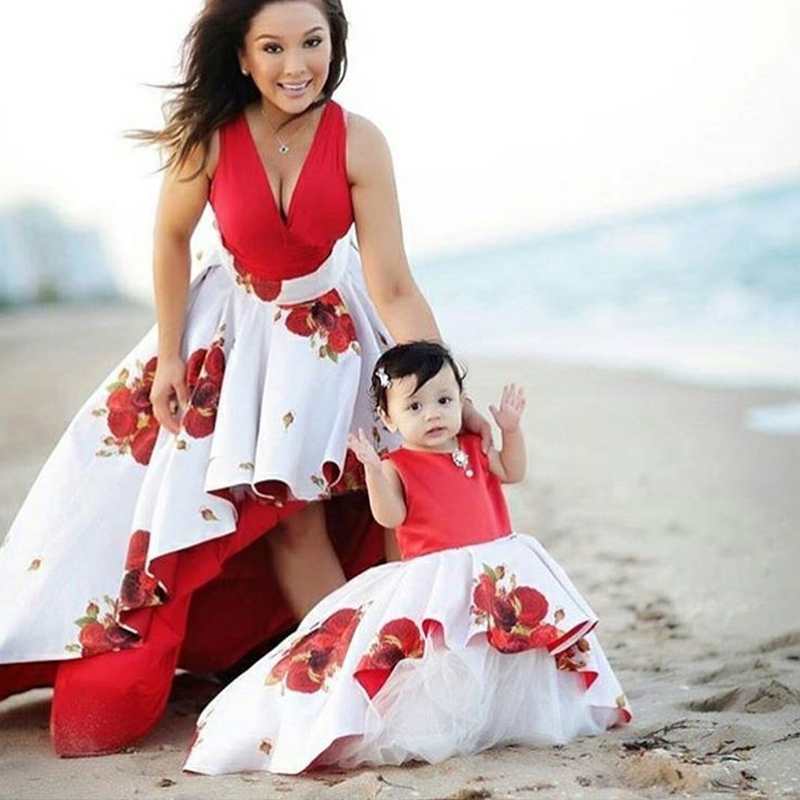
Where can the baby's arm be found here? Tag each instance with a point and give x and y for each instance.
(509, 463)
(386, 497)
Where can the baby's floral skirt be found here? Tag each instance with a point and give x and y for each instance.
(138, 551)
(446, 654)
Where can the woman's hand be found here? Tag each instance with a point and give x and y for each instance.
(475, 422)
(169, 392)
(363, 449)
(512, 404)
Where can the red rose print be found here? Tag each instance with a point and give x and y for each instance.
(507, 642)
(205, 370)
(144, 442)
(543, 635)
(263, 288)
(101, 635)
(575, 657)
(93, 639)
(119, 638)
(299, 321)
(119, 400)
(199, 422)
(206, 394)
(343, 335)
(215, 364)
(149, 372)
(398, 639)
(514, 619)
(503, 613)
(326, 321)
(530, 606)
(338, 339)
(137, 550)
(139, 588)
(341, 625)
(312, 659)
(323, 315)
(483, 594)
(140, 399)
(194, 367)
(123, 423)
(129, 414)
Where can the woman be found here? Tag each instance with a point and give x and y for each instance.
(141, 547)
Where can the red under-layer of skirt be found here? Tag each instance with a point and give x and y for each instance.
(223, 603)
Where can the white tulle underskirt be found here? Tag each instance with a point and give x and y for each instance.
(456, 702)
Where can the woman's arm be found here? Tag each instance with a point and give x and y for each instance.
(396, 296)
(401, 305)
(180, 206)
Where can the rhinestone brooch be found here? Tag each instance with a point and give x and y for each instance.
(461, 460)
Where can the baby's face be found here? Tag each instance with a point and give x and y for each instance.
(427, 418)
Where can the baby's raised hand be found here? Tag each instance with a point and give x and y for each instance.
(363, 449)
(512, 404)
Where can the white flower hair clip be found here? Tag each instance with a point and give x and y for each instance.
(384, 379)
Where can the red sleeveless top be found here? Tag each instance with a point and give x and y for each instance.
(250, 223)
(445, 507)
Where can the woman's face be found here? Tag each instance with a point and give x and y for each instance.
(287, 52)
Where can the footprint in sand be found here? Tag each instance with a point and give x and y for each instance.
(783, 642)
(761, 698)
(727, 673)
(657, 616)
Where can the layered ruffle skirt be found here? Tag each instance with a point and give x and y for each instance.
(446, 654)
(138, 551)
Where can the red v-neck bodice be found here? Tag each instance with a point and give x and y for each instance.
(320, 209)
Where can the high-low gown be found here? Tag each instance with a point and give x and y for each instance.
(476, 638)
(137, 551)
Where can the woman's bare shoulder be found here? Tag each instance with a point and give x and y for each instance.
(367, 148)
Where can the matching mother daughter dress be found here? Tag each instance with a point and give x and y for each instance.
(137, 551)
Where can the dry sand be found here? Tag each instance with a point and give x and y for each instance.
(679, 525)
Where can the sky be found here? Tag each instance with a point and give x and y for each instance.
(504, 120)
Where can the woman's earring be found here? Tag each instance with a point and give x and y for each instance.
(244, 71)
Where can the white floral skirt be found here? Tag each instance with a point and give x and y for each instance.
(445, 654)
(278, 375)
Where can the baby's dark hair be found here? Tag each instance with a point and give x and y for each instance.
(422, 359)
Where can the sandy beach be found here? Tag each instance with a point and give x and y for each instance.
(680, 525)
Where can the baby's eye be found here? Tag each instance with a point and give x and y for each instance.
(415, 406)
(445, 400)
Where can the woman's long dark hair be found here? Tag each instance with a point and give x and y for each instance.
(213, 90)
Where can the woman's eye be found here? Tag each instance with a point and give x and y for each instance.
(272, 48)
(315, 42)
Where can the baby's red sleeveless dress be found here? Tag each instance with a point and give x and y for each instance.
(477, 638)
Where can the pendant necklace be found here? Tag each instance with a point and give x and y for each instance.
(283, 148)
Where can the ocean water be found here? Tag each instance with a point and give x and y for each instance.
(708, 292)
